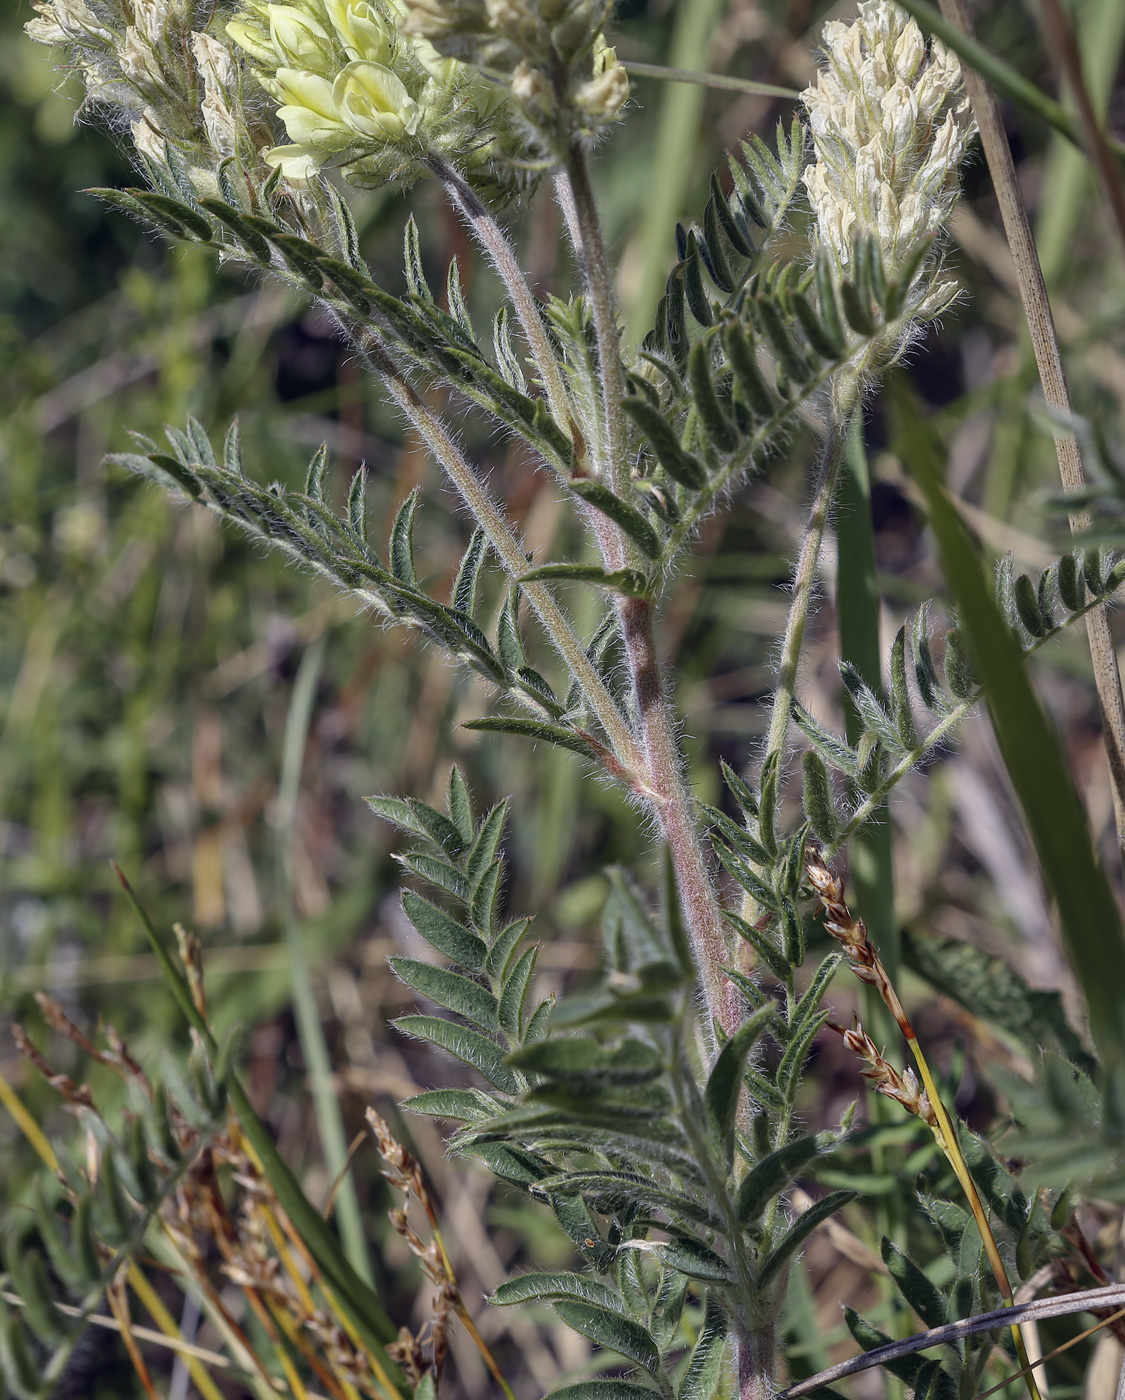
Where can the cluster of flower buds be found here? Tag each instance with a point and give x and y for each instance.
(902, 1087)
(890, 122)
(176, 86)
(560, 70)
(355, 93)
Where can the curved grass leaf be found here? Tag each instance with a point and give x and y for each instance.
(1088, 914)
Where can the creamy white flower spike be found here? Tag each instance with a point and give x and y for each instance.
(890, 122)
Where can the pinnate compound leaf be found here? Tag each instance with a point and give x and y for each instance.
(611, 1330)
(534, 729)
(474, 1049)
(800, 1230)
(536, 1287)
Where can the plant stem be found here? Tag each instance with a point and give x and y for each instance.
(755, 1363)
(1044, 340)
(664, 786)
(672, 807)
(494, 241)
(511, 555)
(804, 577)
(599, 283)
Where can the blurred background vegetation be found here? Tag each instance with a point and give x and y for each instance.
(147, 660)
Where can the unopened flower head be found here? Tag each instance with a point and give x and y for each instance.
(890, 122)
(563, 76)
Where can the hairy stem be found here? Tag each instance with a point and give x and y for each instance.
(804, 577)
(511, 555)
(494, 241)
(755, 1363)
(672, 806)
(599, 283)
(1045, 343)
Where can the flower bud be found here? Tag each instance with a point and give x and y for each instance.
(375, 103)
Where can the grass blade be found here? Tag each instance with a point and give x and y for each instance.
(1088, 914)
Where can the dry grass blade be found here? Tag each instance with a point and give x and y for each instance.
(1038, 1311)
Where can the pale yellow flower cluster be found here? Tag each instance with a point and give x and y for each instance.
(890, 122)
(353, 92)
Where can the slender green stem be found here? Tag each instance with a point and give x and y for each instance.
(512, 557)
(494, 241)
(310, 1032)
(804, 578)
(697, 78)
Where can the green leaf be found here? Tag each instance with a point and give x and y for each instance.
(461, 995)
(705, 399)
(487, 843)
(771, 1175)
(817, 799)
(445, 934)
(763, 945)
(581, 1060)
(611, 1330)
(436, 872)
(474, 1049)
(513, 999)
(628, 517)
(628, 1187)
(985, 985)
(703, 1377)
(724, 1084)
(462, 1105)
(534, 729)
(1088, 914)
(694, 1259)
(681, 466)
(402, 540)
(800, 1230)
(437, 826)
(631, 582)
(503, 950)
(916, 1288)
(869, 1337)
(603, 1390)
(537, 1287)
